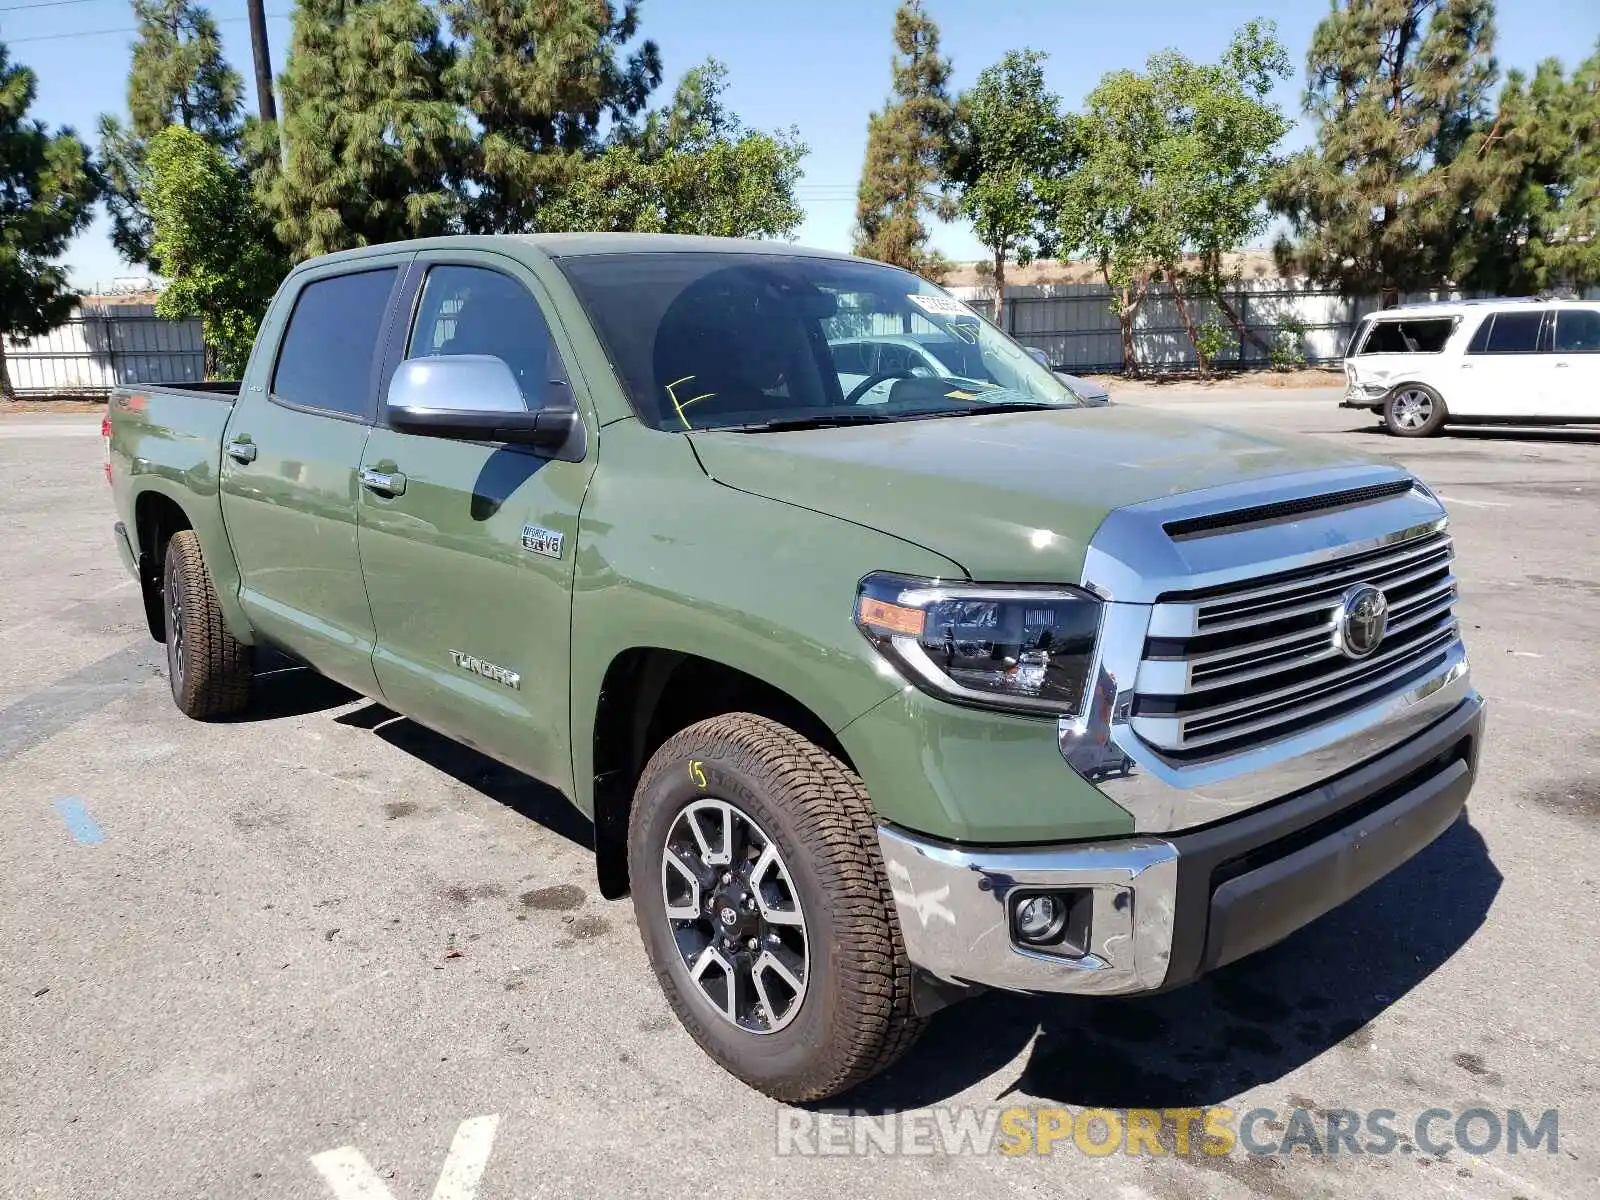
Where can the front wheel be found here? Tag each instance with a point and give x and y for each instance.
(1413, 410)
(765, 910)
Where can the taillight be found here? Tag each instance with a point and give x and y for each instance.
(105, 436)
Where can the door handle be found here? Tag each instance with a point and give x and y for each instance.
(1563, 366)
(242, 452)
(388, 483)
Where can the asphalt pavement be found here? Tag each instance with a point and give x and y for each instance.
(321, 952)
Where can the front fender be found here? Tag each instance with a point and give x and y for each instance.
(670, 559)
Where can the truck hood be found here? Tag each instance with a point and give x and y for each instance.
(1008, 496)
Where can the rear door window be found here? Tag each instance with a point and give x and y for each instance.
(1515, 332)
(325, 359)
(1577, 331)
(1424, 335)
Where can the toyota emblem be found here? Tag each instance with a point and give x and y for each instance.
(1363, 618)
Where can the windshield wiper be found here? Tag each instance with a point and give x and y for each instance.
(813, 421)
(979, 410)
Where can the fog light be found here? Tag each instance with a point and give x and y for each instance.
(1040, 919)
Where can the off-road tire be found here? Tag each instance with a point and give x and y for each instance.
(208, 669)
(856, 1016)
(1403, 399)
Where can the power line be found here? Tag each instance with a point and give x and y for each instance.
(44, 4)
(81, 33)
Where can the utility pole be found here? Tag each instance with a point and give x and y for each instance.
(265, 104)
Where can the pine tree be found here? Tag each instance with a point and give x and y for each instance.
(178, 77)
(906, 150)
(1530, 185)
(47, 193)
(540, 81)
(1397, 88)
(371, 137)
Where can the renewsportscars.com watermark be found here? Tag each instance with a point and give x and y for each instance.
(1098, 1132)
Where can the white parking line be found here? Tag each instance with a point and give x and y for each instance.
(350, 1176)
(1473, 503)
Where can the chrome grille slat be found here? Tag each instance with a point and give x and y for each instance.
(1330, 651)
(1258, 699)
(1435, 545)
(1272, 673)
(1261, 613)
(1272, 722)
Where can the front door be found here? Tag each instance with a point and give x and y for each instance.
(289, 461)
(468, 551)
(1575, 364)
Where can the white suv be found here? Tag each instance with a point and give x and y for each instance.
(1509, 361)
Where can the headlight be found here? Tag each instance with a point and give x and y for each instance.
(1022, 648)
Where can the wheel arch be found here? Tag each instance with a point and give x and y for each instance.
(156, 517)
(161, 508)
(650, 693)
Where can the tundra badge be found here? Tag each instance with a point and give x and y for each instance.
(540, 540)
(471, 662)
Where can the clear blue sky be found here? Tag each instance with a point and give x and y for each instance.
(820, 65)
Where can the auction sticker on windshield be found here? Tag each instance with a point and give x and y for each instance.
(944, 306)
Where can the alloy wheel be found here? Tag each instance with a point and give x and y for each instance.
(735, 915)
(175, 625)
(1412, 409)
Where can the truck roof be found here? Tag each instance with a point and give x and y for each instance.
(572, 245)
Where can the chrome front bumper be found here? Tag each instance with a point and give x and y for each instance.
(1165, 910)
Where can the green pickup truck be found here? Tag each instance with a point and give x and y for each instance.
(880, 689)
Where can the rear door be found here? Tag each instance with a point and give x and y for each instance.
(1575, 364)
(289, 461)
(469, 560)
(1506, 368)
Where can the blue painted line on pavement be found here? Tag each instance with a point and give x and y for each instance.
(79, 823)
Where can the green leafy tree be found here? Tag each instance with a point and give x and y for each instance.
(906, 151)
(1176, 162)
(693, 168)
(47, 192)
(215, 244)
(1006, 147)
(1217, 163)
(178, 76)
(1397, 88)
(371, 138)
(541, 82)
(1530, 185)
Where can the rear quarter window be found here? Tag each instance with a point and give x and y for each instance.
(1414, 335)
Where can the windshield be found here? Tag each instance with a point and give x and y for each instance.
(720, 340)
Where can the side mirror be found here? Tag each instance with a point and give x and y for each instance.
(474, 397)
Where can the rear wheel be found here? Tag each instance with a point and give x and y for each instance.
(1414, 410)
(208, 669)
(765, 910)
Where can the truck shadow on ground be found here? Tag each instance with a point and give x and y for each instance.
(1250, 1023)
(505, 785)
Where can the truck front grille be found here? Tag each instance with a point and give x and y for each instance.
(1252, 661)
